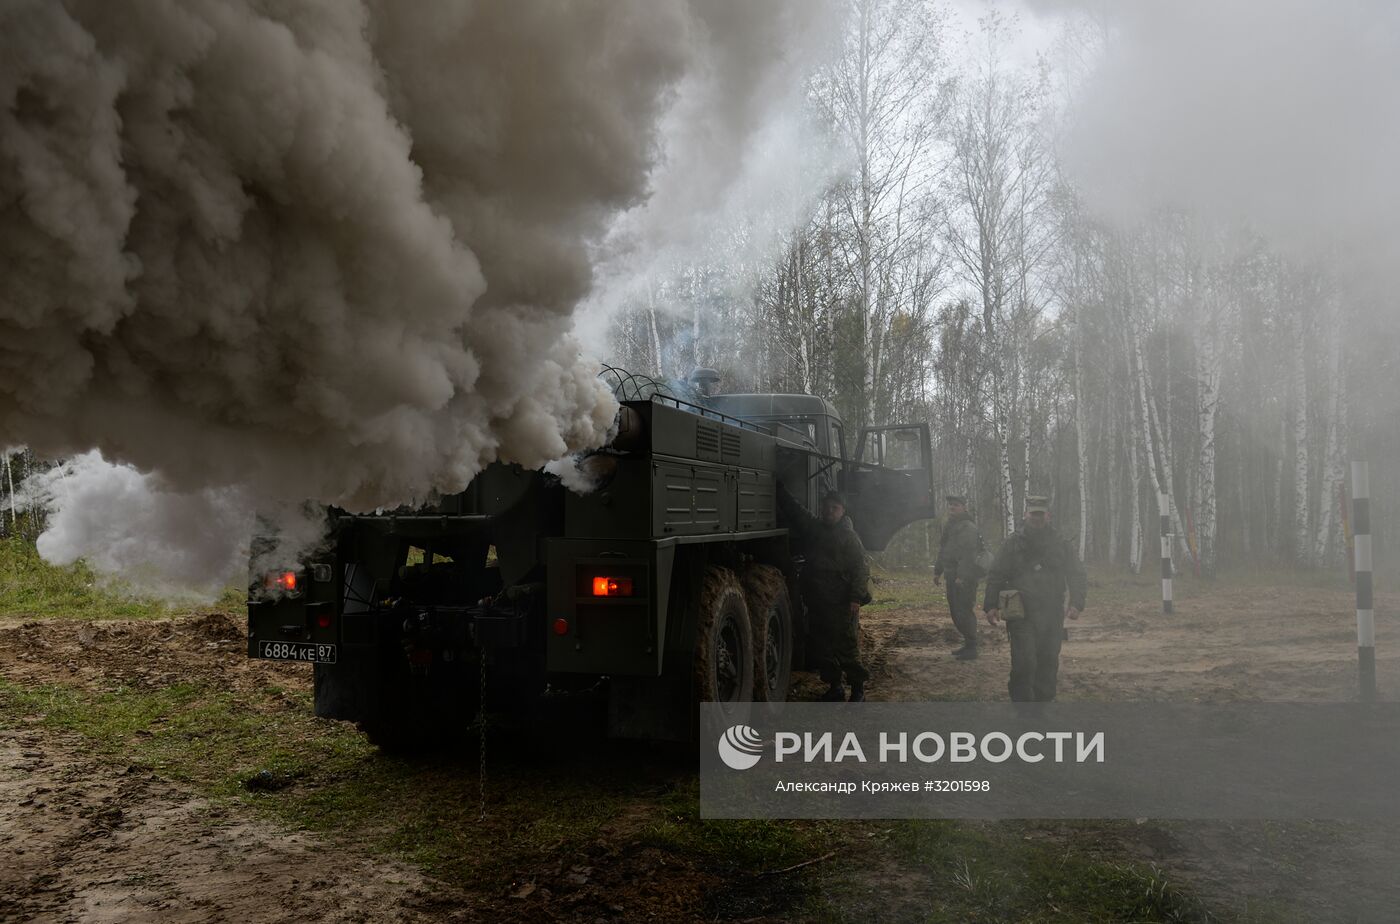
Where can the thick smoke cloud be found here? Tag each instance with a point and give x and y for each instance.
(331, 249)
(725, 191)
(1284, 114)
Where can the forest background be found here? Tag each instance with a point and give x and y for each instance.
(950, 273)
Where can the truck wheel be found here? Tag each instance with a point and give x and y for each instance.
(724, 650)
(770, 612)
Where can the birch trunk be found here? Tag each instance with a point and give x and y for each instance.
(1115, 481)
(804, 344)
(1081, 443)
(1328, 545)
(695, 334)
(1302, 536)
(1208, 402)
(1003, 425)
(659, 366)
(1274, 520)
(1135, 521)
(866, 219)
(1145, 412)
(1163, 482)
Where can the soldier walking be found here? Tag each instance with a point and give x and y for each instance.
(835, 583)
(1039, 566)
(958, 550)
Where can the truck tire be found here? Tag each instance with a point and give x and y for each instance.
(724, 646)
(770, 614)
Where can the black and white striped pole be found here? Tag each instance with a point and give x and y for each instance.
(1365, 606)
(1163, 504)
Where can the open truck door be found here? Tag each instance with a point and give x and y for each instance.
(890, 483)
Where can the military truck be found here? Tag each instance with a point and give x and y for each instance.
(672, 581)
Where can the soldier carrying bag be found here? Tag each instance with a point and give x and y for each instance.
(1010, 605)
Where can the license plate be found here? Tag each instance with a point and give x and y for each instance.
(297, 651)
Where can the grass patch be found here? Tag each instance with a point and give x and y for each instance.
(993, 873)
(31, 588)
(732, 845)
(901, 588)
(212, 738)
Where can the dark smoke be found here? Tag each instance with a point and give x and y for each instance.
(331, 250)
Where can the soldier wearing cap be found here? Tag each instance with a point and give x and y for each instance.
(1040, 566)
(958, 549)
(835, 583)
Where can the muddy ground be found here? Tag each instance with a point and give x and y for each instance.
(84, 837)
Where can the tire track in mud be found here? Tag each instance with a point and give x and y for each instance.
(85, 841)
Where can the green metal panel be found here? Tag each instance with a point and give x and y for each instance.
(756, 500)
(690, 498)
(621, 508)
(623, 635)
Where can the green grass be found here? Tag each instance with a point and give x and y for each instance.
(993, 873)
(31, 588)
(754, 845)
(215, 739)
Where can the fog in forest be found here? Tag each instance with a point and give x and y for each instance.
(336, 252)
(1108, 251)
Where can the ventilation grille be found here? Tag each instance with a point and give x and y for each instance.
(729, 445)
(706, 441)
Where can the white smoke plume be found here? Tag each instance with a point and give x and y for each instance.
(722, 194)
(275, 250)
(171, 543)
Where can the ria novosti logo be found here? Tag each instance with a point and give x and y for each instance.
(740, 747)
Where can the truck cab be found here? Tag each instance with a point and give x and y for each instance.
(887, 475)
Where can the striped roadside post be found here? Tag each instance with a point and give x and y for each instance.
(1163, 504)
(1365, 606)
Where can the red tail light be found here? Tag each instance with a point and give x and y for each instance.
(284, 581)
(612, 587)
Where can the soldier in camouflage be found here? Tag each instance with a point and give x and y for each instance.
(958, 549)
(1042, 566)
(835, 584)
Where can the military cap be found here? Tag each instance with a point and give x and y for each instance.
(955, 499)
(834, 497)
(1037, 503)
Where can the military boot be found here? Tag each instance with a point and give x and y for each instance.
(836, 693)
(968, 652)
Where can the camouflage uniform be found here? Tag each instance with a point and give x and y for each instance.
(957, 558)
(1042, 565)
(834, 576)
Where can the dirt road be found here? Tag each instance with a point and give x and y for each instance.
(82, 840)
(1256, 643)
(85, 838)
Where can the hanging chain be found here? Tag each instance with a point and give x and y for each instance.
(481, 735)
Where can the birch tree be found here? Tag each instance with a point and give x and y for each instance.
(997, 189)
(880, 98)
